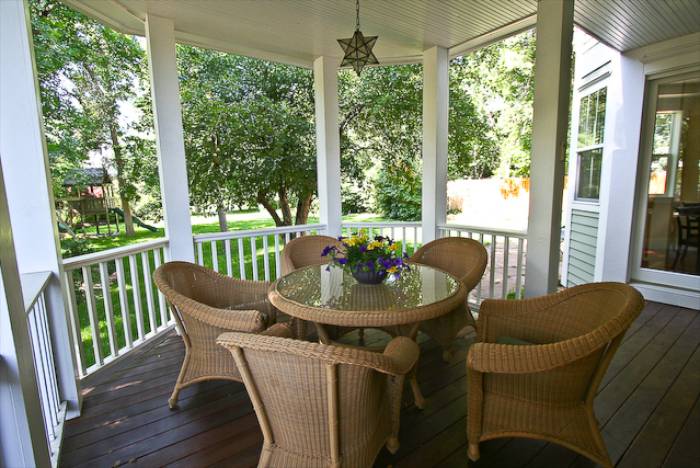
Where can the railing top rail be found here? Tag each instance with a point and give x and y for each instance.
(257, 232)
(32, 286)
(378, 224)
(484, 230)
(111, 254)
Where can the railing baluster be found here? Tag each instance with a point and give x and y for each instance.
(241, 257)
(124, 303)
(74, 321)
(136, 294)
(403, 240)
(52, 362)
(40, 314)
(286, 238)
(519, 269)
(40, 374)
(492, 266)
(278, 266)
(200, 254)
(109, 310)
(148, 285)
(506, 246)
(227, 250)
(214, 256)
(481, 282)
(266, 259)
(254, 257)
(92, 314)
(162, 307)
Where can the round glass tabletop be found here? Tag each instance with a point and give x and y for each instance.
(331, 287)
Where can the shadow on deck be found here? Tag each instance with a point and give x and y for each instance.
(648, 406)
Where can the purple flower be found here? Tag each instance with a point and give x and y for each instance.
(342, 261)
(327, 250)
(363, 248)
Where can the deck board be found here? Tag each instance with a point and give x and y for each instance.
(648, 404)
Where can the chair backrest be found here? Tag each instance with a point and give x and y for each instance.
(179, 280)
(304, 251)
(314, 402)
(463, 258)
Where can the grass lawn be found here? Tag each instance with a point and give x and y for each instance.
(143, 304)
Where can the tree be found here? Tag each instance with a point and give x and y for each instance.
(86, 72)
(249, 134)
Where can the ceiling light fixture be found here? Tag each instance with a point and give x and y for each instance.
(358, 48)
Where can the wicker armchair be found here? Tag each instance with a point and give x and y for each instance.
(465, 259)
(204, 305)
(305, 251)
(322, 405)
(545, 389)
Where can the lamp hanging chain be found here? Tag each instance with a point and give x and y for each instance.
(357, 15)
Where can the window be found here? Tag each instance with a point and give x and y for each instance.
(591, 127)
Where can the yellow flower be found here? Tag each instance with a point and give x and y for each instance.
(394, 247)
(374, 245)
(392, 270)
(349, 241)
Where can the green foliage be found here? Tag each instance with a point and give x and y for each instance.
(249, 133)
(398, 191)
(87, 72)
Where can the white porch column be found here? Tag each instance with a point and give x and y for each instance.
(435, 112)
(328, 143)
(623, 122)
(555, 22)
(28, 185)
(22, 439)
(172, 166)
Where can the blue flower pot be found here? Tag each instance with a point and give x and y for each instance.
(369, 277)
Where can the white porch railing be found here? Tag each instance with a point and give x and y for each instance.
(245, 254)
(53, 407)
(505, 271)
(409, 233)
(113, 303)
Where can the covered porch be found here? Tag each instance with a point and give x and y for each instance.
(75, 399)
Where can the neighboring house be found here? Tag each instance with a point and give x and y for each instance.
(634, 195)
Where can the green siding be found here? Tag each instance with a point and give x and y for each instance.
(584, 236)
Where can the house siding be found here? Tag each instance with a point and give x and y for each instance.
(582, 247)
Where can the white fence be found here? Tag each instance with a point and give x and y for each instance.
(113, 292)
(505, 273)
(252, 254)
(53, 407)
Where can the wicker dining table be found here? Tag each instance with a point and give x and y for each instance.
(329, 295)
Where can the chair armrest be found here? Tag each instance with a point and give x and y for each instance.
(402, 353)
(528, 359)
(252, 321)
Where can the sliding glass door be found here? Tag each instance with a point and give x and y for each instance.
(668, 206)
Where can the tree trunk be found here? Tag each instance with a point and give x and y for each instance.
(221, 213)
(303, 207)
(119, 162)
(284, 206)
(271, 210)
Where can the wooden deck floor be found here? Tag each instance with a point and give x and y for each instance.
(648, 405)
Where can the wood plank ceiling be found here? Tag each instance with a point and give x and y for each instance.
(299, 30)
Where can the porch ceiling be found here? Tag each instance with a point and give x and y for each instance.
(298, 31)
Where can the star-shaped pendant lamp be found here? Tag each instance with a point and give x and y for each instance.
(358, 48)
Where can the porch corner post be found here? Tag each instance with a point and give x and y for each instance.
(328, 143)
(555, 23)
(435, 114)
(28, 187)
(167, 113)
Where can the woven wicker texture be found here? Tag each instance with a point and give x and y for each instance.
(205, 304)
(546, 390)
(466, 260)
(322, 405)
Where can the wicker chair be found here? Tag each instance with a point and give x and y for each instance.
(322, 405)
(542, 385)
(465, 259)
(206, 304)
(305, 251)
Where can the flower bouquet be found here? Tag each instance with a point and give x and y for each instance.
(370, 261)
